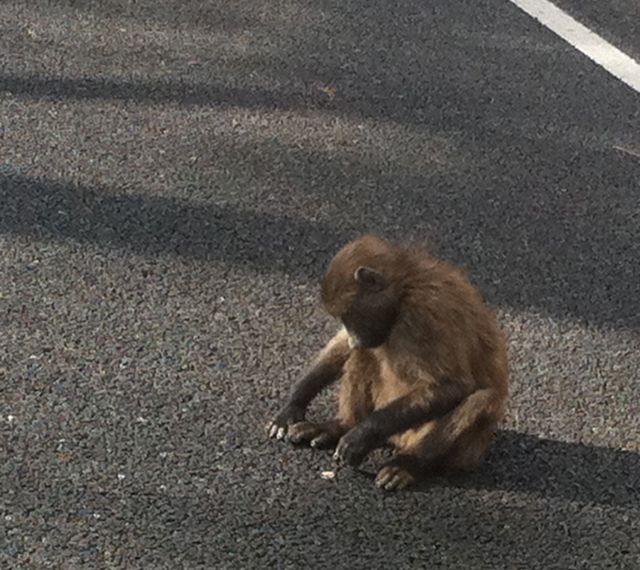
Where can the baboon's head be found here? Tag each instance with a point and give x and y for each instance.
(360, 289)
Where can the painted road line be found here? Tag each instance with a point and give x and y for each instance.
(609, 57)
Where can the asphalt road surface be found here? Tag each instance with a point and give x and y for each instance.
(174, 177)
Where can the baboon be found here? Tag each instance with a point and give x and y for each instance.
(421, 359)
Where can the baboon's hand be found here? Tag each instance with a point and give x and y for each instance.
(354, 446)
(289, 415)
(319, 435)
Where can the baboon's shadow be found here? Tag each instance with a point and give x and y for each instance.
(523, 463)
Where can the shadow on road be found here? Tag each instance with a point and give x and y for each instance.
(536, 202)
(522, 463)
(563, 251)
(150, 92)
(151, 226)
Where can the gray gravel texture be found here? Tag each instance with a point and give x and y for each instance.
(175, 175)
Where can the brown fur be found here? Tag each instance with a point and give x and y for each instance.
(418, 341)
(444, 339)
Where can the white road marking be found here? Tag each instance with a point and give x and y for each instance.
(628, 151)
(616, 62)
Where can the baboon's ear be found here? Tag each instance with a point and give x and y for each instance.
(370, 279)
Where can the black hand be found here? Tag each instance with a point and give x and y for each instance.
(289, 415)
(355, 445)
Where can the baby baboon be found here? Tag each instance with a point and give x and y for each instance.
(422, 362)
